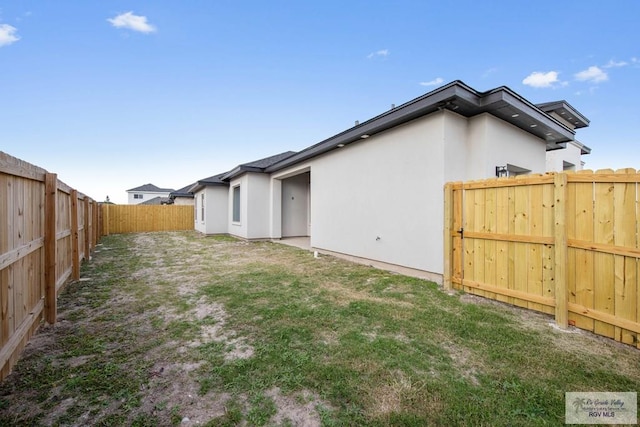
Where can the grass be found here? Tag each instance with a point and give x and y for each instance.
(174, 326)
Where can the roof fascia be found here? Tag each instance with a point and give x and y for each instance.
(399, 115)
(239, 171)
(507, 95)
(583, 121)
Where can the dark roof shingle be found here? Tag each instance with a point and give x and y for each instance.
(151, 187)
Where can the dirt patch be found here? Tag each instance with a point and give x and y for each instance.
(397, 394)
(343, 295)
(297, 410)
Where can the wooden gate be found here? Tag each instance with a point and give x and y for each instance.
(565, 244)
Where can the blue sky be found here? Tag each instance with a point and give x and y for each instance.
(111, 95)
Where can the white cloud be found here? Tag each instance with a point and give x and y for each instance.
(8, 35)
(132, 22)
(592, 74)
(615, 64)
(541, 79)
(380, 53)
(434, 82)
(489, 72)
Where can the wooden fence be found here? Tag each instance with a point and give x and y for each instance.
(140, 218)
(46, 230)
(565, 244)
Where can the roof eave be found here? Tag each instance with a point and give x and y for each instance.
(455, 96)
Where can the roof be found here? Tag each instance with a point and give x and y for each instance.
(152, 188)
(456, 96)
(182, 192)
(215, 180)
(157, 201)
(257, 165)
(566, 111)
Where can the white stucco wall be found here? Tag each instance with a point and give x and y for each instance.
(493, 142)
(295, 206)
(146, 195)
(254, 206)
(215, 210)
(571, 153)
(381, 198)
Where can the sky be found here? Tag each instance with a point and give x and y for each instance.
(111, 95)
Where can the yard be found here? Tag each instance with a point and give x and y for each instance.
(179, 329)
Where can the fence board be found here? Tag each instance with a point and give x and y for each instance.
(146, 218)
(25, 252)
(603, 262)
(502, 247)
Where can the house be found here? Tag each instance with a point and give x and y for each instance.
(146, 192)
(569, 157)
(217, 200)
(182, 196)
(157, 201)
(374, 192)
(211, 201)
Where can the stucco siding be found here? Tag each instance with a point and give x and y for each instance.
(381, 198)
(254, 206)
(295, 206)
(556, 159)
(215, 210)
(494, 142)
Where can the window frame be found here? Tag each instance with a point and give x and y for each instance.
(236, 205)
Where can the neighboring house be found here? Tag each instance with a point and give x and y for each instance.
(375, 191)
(182, 196)
(147, 192)
(157, 201)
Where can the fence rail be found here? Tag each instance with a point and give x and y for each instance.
(142, 218)
(565, 244)
(46, 230)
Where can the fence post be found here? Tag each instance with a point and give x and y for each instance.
(87, 230)
(75, 244)
(105, 219)
(95, 224)
(560, 250)
(50, 240)
(448, 198)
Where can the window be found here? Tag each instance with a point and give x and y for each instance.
(202, 206)
(195, 208)
(236, 204)
(138, 196)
